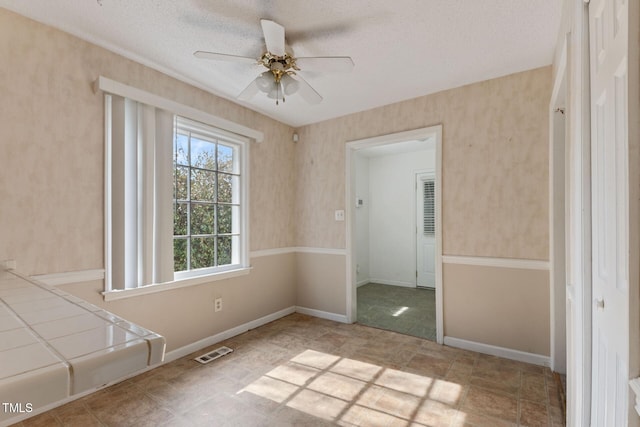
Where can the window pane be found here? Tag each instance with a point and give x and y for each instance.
(179, 254)
(203, 219)
(428, 208)
(180, 176)
(225, 159)
(181, 149)
(180, 219)
(207, 199)
(224, 250)
(203, 250)
(203, 153)
(228, 188)
(203, 185)
(228, 219)
(224, 219)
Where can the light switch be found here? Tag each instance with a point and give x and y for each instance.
(340, 215)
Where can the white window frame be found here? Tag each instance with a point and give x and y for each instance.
(245, 136)
(240, 145)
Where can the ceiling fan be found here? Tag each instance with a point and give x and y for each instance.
(281, 78)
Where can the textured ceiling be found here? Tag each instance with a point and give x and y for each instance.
(402, 48)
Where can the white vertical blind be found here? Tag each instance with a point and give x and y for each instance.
(140, 150)
(145, 203)
(163, 223)
(428, 188)
(139, 215)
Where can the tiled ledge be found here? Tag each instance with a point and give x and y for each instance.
(54, 345)
(635, 386)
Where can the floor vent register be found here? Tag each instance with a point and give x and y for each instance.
(213, 355)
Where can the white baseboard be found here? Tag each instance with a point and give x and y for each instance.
(362, 283)
(229, 333)
(187, 349)
(393, 283)
(507, 353)
(322, 314)
(191, 348)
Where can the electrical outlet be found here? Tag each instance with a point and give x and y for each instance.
(339, 215)
(218, 304)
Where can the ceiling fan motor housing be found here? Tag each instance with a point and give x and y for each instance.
(279, 65)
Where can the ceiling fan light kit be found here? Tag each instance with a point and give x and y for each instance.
(277, 82)
(282, 66)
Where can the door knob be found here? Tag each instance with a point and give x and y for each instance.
(599, 303)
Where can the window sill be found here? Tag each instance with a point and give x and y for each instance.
(176, 284)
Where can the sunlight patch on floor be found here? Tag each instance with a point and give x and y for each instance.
(350, 392)
(400, 311)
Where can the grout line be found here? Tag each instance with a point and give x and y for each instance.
(475, 368)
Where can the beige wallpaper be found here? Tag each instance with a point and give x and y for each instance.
(52, 154)
(495, 166)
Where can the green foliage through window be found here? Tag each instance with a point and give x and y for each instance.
(206, 199)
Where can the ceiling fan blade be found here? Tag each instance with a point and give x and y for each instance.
(307, 92)
(224, 57)
(273, 36)
(337, 64)
(250, 91)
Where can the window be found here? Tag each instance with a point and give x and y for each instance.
(207, 182)
(176, 198)
(428, 217)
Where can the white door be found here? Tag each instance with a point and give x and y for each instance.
(425, 231)
(608, 28)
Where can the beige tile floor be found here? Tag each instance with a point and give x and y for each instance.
(304, 371)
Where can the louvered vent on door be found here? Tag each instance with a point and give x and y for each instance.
(428, 217)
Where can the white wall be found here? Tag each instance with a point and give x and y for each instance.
(392, 216)
(362, 220)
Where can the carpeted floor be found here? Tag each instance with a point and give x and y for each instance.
(410, 311)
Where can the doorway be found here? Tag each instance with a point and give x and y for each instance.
(383, 242)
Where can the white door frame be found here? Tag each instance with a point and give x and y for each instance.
(578, 263)
(557, 216)
(350, 196)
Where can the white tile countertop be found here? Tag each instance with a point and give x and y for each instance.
(54, 345)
